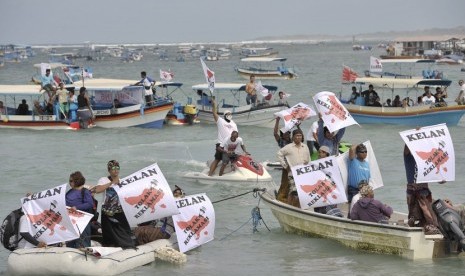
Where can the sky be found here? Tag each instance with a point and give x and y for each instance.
(35, 22)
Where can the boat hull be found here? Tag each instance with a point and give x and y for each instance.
(261, 117)
(70, 261)
(152, 117)
(415, 116)
(47, 122)
(406, 242)
(244, 73)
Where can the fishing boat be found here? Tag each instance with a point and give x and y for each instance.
(135, 110)
(259, 52)
(265, 68)
(13, 95)
(395, 238)
(71, 261)
(181, 114)
(231, 97)
(244, 170)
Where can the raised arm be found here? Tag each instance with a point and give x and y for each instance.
(214, 109)
(352, 153)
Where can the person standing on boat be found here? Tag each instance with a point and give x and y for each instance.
(419, 198)
(48, 83)
(116, 231)
(228, 147)
(461, 97)
(79, 198)
(84, 111)
(359, 169)
(369, 209)
(62, 95)
(251, 91)
(225, 127)
(312, 137)
(326, 138)
(293, 154)
(370, 95)
(147, 82)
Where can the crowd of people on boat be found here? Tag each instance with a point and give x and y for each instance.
(371, 98)
(361, 200)
(114, 229)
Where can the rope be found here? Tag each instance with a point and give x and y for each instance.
(255, 191)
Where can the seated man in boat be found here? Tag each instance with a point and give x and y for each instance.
(228, 147)
(370, 95)
(2, 109)
(440, 97)
(159, 229)
(251, 91)
(116, 103)
(370, 209)
(428, 98)
(23, 108)
(48, 83)
(354, 95)
(282, 98)
(38, 109)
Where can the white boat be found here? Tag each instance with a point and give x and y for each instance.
(71, 261)
(231, 96)
(395, 238)
(135, 110)
(12, 96)
(244, 170)
(265, 68)
(258, 52)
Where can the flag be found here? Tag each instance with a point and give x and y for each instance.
(295, 115)
(319, 183)
(209, 76)
(166, 76)
(375, 65)
(145, 195)
(79, 219)
(348, 75)
(48, 217)
(262, 90)
(195, 224)
(433, 151)
(334, 114)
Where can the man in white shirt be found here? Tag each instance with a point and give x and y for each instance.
(428, 99)
(461, 97)
(312, 137)
(225, 127)
(229, 148)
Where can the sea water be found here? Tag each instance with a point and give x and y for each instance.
(32, 161)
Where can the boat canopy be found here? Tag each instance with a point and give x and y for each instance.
(229, 86)
(262, 59)
(402, 82)
(32, 90)
(167, 84)
(407, 60)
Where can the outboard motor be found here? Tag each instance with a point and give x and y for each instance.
(450, 223)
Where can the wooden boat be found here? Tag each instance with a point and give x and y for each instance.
(395, 238)
(182, 113)
(12, 95)
(231, 96)
(71, 261)
(265, 68)
(134, 110)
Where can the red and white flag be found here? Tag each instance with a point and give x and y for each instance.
(348, 75)
(209, 76)
(166, 76)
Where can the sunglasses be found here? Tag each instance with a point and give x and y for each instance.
(115, 168)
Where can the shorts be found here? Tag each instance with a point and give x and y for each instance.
(218, 154)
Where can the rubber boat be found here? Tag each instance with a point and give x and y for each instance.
(71, 261)
(245, 169)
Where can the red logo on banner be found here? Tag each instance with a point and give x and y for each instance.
(149, 198)
(322, 188)
(196, 224)
(48, 219)
(437, 157)
(336, 109)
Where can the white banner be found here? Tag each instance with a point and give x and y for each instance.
(195, 225)
(48, 217)
(319, 183)
(376, 180)
(166, 76)
(79, 219)
(295, 115)
(261, 89)
(433, 151)
(375, 65)
(209, 76)
(334, 114)
(145, 195)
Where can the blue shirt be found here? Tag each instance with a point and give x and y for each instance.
(46, 79)
(358, 171)
(74, 199)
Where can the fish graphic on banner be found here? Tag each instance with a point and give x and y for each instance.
(433, 151)
(79, 219)
(295, 115)
(48, 217)
(376, 180)
(319, 183)
(195, 224)
(209, 76)
(334, 114)
(145, 195)
(375, 65)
